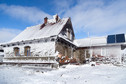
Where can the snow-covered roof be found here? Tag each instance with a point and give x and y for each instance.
(91, 41)
(34, 32)
(95, 41)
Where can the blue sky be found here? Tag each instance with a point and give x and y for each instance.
(98, 17)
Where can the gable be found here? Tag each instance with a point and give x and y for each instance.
(68, 31)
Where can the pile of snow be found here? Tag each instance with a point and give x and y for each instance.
(84, 74)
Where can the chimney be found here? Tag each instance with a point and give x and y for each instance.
(45, 20)
(57, 18)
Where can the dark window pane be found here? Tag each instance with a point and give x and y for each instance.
(120, 38)
(111, 39)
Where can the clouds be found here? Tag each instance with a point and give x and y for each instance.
(63, 5)
(8, 34)
(29, 14)
(99, 17)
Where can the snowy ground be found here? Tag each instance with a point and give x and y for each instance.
(72, 74)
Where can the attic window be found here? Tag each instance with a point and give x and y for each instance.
(68, 33)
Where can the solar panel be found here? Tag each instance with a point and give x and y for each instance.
(120, 38)
(111, 39)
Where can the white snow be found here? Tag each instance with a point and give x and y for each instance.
(72, 74)
(35, 32)
(94, 41)
(54, 19)
(1, 53)
(91, 41)
(43, 49)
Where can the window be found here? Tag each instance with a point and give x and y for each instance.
(16, 51)
(1, 50)
(27, 51)
(120, 38)
(111, 39)
(13, 44)
(68, 33)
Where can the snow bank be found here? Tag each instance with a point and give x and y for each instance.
(84, 74)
